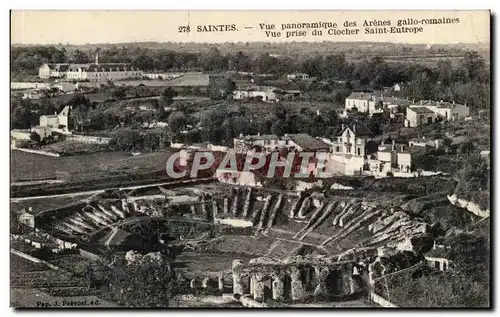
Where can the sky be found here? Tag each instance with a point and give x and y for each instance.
(83, 27)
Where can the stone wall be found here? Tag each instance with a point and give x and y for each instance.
(294, 279)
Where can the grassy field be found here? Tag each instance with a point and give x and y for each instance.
(28, 166)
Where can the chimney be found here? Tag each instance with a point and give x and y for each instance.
(343, 126)
(97, 58)
(402, 147)
(354, 129)
(437, 143)
(318, 113)
(393, 145)
(421, 102)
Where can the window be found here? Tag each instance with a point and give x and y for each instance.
(444, 266)
(359, 151)
(337, 149)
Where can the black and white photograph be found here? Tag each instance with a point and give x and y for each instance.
(250, 159)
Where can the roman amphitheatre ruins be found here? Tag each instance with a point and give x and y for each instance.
(257, 245)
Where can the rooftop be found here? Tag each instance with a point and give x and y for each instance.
(439, 104)
(358, 128)
(307, 142)
(360, 96)
(439, 252)
(421, 110)
(259, 137)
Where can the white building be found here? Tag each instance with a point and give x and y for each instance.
(392, 160)
(358, 100)
(267, 142)
(112, 72)
(164, 76)
(266, 93)
(419, 115)
(53, 123)
(53, 70)
(297, 76)
(439, 258)
(92, 72)
(351, 139)
(447, 111)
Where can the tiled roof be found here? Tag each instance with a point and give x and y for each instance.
(261, 137)
(62, 67)
(359, 129)
(421, 110)
(360, 96)
(439, 253)
(110, 68)
(308, 142)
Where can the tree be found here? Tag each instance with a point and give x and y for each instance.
(35, 137)
(127, 141)
(466, 147)
(145, 281)
(119, 92)
(278, 128)
(447, 144)
(230, 86)
(80, 57)
(151, 141)
(176, 121)
(167, 96)
(161, 114)
(475, 66)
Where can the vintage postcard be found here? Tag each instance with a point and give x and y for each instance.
(250, 159)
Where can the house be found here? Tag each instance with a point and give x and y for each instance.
(77, 72)
(485, 154)
(358, 100)
(297, 76)
(52, 70)
(305, 142)
(446, 110)
(393, 160)
(92, 72)
(419, 115)
(27, 219)
(111, 72)
(164, 76)
(53, 123)
(338, 164)
(58, 121)
(403, 161)
(267, 142)
(268, 94)
(423, 142)
(352, 139)
(439, 257)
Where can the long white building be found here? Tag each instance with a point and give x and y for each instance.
(92, 72)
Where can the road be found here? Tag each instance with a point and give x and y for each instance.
(99, 191)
